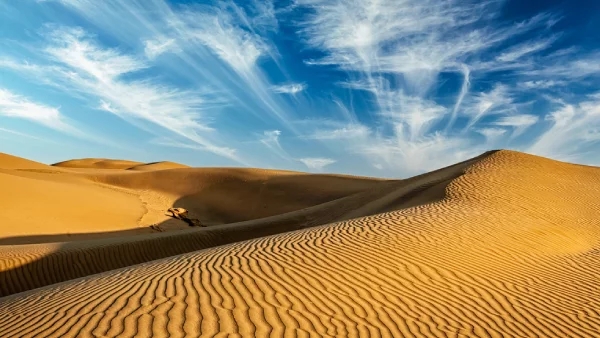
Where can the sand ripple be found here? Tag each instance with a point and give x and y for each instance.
(513, 250)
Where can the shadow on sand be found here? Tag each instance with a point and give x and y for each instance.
(80, 258)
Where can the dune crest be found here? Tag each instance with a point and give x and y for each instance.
(97, 163)
(157, 166)
(511, 247)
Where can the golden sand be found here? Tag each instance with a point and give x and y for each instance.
(507, 244)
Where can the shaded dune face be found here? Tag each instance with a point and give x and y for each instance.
(506, 244)
(157, 166)
(256, 203)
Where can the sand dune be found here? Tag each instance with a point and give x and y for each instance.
(103, 163)
(333, 198)
(507, 244)
(79, 201)
(157, 166)
(37, 199)
(97, 163)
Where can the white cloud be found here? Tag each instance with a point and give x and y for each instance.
(542, 84)
(72, 47)
(238, 47)
(156, 47)
(217, 46)
(492, 135)
(519, 122)
(406, 158)
(16, 106)
(394, 51)
(270, 138)
(351, 131)
(567, 66)
(393, 56)
(292, 88)
(526, 48)
(496, 101)
(461, 96)
(316, 163)
(97, 71)
(412, 117)
(572, 132)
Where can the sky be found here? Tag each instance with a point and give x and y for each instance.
(386, 88)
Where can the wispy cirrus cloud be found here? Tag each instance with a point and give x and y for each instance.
(17, 106)
(270, 138)
(524, 49)
(395, 52)
(342, 132)
(155, 47)
(404, 86)
(496, 101)
(492, 135)
(519, 122)
(573, 130)
(292, 88)
(316, 163)
(219, 46)
(79, 64)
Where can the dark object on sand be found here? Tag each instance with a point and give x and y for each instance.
(182, 214)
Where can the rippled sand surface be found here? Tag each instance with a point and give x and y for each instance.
(507, 244)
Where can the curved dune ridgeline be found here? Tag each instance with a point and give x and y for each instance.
(506, 244)
(234, 196)
(97, 163)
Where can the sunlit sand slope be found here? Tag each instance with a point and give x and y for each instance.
(57, 262)
(70, 201)
(512, 250)
(36, 199)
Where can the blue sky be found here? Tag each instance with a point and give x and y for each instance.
(388, 88)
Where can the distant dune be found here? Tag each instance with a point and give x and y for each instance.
(64, 203)
(157, 166)
(97, 163)
(505, 244)
(103, 163)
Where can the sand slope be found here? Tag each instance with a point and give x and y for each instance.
(513, 249)
(82, 199)
(61, 261)
(157, 166)
(37, 199)
(97, 163)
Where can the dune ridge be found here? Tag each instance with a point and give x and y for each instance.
(97, 163)
(512, 248)
(157, 166)
(60, 262)
(105, 163)
(67, 204)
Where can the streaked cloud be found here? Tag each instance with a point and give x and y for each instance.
(17, 106)
(292, 88)
(519, 122)
(156, 47)
(401, 87)
(270, 138)
(316, 163)
(572, 131)
(351, 131)
(98, 72)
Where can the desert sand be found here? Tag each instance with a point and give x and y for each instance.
(505, 244)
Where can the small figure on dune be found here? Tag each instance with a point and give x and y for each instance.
(182, 214)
